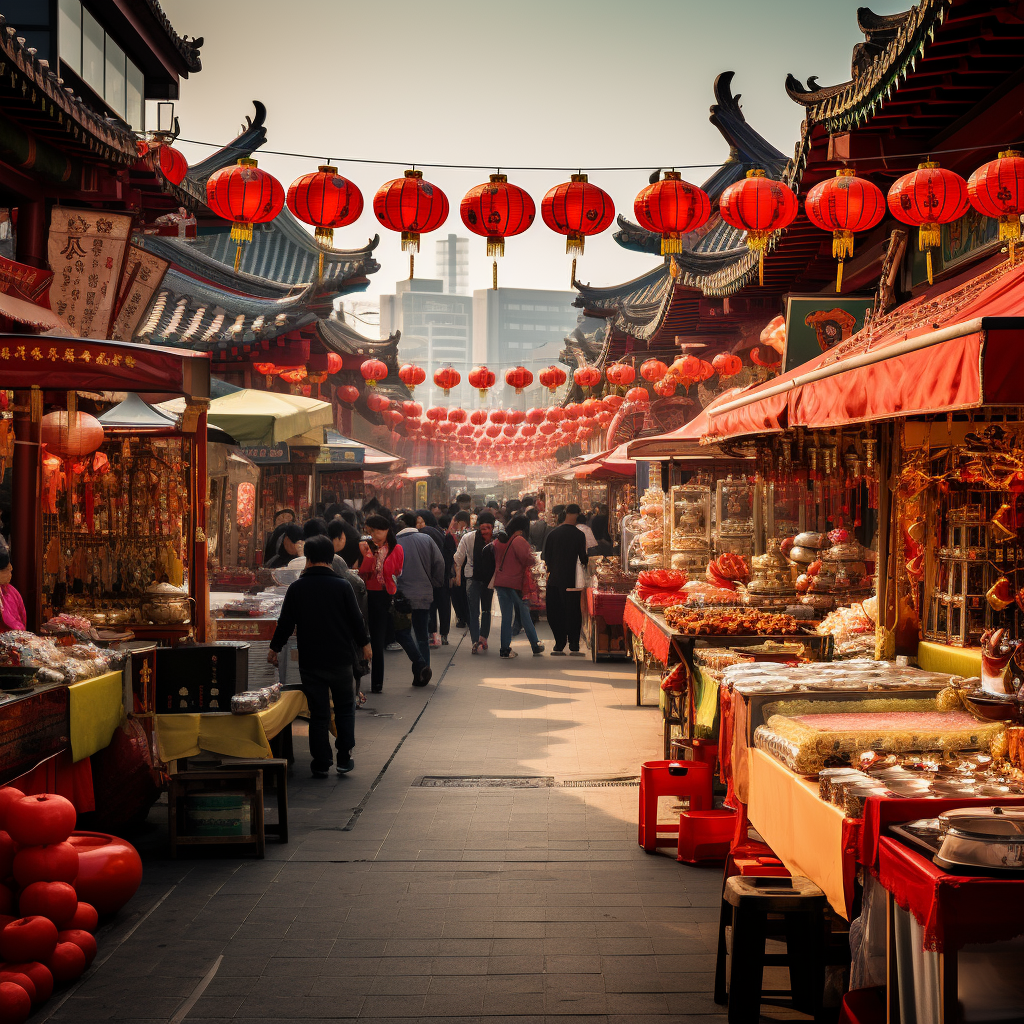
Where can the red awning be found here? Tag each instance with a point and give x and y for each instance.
(607, 465)
(961, 349)
(68, 364)
(33, 315)
(684, 442)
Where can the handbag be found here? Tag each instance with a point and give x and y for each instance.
(401, 612)
(490, 586)
(530, 592)
(581, 577)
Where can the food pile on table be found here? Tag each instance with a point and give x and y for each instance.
(737, 622)
(52, 662)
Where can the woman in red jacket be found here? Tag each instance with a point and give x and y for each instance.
(513, 558)
(382, 562)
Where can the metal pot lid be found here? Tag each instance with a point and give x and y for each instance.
(990, 824)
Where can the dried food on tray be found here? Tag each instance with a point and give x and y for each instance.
(737, 622)
(852, 628)
(807, 743)
(66, 664)
(855, 674)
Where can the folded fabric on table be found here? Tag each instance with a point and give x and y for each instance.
(805, 743)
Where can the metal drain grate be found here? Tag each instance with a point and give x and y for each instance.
(518, 782)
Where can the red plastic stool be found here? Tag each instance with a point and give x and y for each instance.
(753, 858)
(681, 779)
(700, 750)
(705, 835)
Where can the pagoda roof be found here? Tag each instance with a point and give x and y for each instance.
(251, 136)
(187, 49)
(341, 337)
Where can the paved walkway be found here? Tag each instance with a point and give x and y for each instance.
(397, 900)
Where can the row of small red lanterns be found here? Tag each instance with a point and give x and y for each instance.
(760, 206)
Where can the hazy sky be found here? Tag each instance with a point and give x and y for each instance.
(535, 83)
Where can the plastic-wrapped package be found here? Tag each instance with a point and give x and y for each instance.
(855, 674)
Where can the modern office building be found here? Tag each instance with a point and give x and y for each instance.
(452, 255)
(437, 329)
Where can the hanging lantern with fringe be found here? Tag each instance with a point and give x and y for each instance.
(672, 208)
(497, 210)
(482, 379)
(760, 206)
(447, 378)
(373, 371)
(244, 194)
(325, 200)
(412, 206)
(576, 209)
(996, 190)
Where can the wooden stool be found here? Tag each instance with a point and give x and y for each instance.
(278, 769)
(248, 784)
(747, 902)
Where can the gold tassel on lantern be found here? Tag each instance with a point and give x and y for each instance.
(410, 241)
(495, 246)
(757, 241)
(574, 243)
(842, 247)
(671, 243)
(929, 236)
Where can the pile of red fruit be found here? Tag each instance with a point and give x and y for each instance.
(45, 932)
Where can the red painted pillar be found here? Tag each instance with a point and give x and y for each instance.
(200, 578)
(32, 233)
(26, 517)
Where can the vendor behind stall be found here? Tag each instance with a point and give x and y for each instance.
(12, 607)
(287, 546)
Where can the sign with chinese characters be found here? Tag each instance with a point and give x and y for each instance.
(86, 251)
(25, 282)
(344, 455)
(267, 454)
(143, 273)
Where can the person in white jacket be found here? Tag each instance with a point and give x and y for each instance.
(472, 565)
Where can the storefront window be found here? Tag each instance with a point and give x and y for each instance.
(70, 34)
(92, 52)
(135, 106)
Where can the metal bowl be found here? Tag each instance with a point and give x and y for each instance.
(990, 707)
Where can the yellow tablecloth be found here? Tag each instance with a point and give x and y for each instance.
(805, 832)
(181, 736)
(959, 661)
(96, 708)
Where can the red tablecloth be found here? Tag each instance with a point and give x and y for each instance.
(657, 642)
(880, 812)
(954, 910)
(58, 774)
(609, 606)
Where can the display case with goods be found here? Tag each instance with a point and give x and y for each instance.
(688, 526)
(232, 533)
(736, 516)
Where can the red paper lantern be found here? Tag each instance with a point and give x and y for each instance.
(552, 377)
(334, 362)
(671, 208)
(664, 388)
(492, 429)
(726, 364)
(412, 206)
(482, 379)
(844, 205)
(496, 416)
(612, 402)
(638, 396)
(577, 209)
(592, 406)
(410, 375)
(457, 415)
(478, 417)
(373, 371)
(447, 378)
(244, 195)
(437, 414)
(348, 393)
(996, 190)
(497, 210)
(394, 417)
(604, 418)
(653, 369)
(928, 198)
(326, 200)
(548, 428)
(510, 430)
(760, 206)
(465, 430)
(535, 416)
(514, 415)
(292, 374)
(71, 435)
(519, 378)
(173, 166)
(621, 375)
(587, 376)
(446, 428)
(555, 414)
(412, 423)
(411, 409)
(528, 429)
(377, 403)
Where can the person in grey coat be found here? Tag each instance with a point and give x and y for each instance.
(422, 571)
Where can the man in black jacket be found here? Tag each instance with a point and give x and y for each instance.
(564, 548)
(331, 632)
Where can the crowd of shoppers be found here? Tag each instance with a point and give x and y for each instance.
(391, 581)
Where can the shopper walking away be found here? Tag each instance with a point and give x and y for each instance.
(539, 529)
(457, 529)
(476, 567)
(422, 572)
(441, 606)
(564, 549)
(322, 608)
(345, 539)
(513, 560)
(588, 533)
(603, 542)
(382, 560)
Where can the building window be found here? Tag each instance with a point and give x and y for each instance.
(135, 104)
(92, 52)
(70, 34)
(113, 79)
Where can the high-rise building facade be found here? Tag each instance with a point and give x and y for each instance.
(452, 256)
(437, 329)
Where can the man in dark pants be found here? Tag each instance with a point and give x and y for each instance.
(331, 631)
(564, 548)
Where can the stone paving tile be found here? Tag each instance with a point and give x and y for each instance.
(475, 905)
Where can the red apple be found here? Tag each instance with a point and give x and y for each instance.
(82, 939)
(57, 862)
(5, 920)
(40, 975)
(7, 796)
(28, 938)
(16, 978)
(67, 962)
(56, 900)
(15, 1004)
(85, 918)
(40, 819)
(8, 850)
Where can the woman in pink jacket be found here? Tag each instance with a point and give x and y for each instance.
(12, 607)
(513, 559)
(382, 562)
